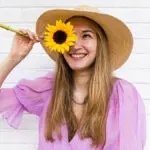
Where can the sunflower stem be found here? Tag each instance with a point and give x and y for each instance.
(11, 29)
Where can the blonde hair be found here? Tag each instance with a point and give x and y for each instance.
(93, 120)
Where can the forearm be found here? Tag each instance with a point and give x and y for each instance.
(6, 66)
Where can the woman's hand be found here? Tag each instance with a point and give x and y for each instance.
(22, 45)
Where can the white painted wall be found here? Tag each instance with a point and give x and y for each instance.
(23, 14)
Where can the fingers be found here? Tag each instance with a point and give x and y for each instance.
(41, 36)
(31, 35)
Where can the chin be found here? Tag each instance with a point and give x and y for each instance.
(76, 68)
(79, 68)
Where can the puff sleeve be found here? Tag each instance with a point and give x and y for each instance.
(27, 95)
(127, 128)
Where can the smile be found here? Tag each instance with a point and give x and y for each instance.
(77, 56)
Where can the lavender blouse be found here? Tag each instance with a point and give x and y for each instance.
(126, 122)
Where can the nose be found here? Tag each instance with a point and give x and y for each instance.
(77, 44)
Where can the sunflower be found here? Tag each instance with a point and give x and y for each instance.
(60, 37)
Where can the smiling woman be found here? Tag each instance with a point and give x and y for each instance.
(81, 105)
(83, 53)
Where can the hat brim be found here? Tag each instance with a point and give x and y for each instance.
(120, 39)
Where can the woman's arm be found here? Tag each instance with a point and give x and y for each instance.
(126, 126)
(6, 66)
(21, 46)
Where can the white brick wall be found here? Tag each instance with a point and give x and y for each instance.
(23, 14)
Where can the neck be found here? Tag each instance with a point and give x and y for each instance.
(81, 79)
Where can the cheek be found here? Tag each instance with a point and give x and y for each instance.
(92, 46)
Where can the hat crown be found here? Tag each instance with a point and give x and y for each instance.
(87, 8)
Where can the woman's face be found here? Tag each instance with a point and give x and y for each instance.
(82, 55)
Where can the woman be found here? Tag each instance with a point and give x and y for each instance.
(81, 105)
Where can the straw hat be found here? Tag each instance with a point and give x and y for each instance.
(120, 39)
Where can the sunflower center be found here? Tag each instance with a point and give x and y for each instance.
(60, 37)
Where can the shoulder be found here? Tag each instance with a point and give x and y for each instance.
(126, 92)
(125, 84)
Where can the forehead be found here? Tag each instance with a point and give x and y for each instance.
(81, 23)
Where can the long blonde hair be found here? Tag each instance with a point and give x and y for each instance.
(93, 120)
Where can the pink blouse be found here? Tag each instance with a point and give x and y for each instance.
(126, 122)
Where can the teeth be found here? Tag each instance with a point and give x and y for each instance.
(78, 55)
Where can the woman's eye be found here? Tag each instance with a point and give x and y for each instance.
(86, 36)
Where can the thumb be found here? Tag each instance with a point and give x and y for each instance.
(31, 42)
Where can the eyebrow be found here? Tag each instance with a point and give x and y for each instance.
(88, 31)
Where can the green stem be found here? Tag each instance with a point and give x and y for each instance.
(11, 29)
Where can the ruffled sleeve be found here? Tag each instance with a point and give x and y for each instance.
(27, 95)
(127, 120)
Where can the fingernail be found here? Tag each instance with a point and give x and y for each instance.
(41, 36)
(37, 38)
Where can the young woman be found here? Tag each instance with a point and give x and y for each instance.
(81, 105)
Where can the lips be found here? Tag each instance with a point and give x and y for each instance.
(77, 53)
(77, 56)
